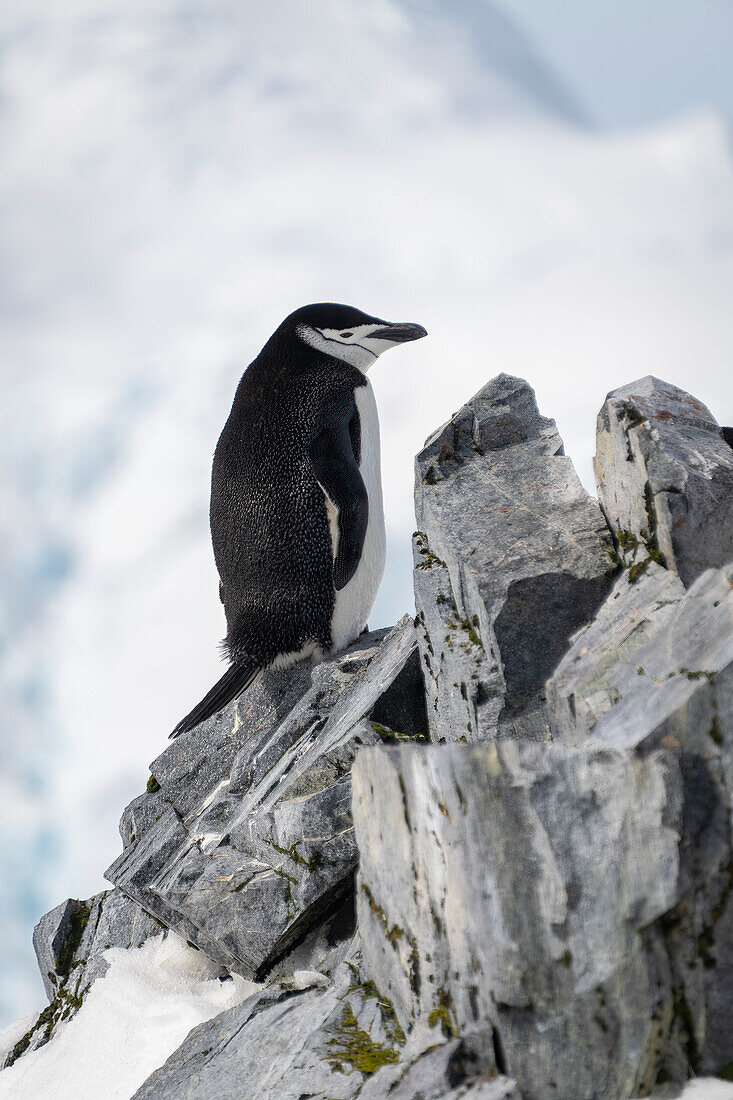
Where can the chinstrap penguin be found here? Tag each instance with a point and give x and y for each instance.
(297, 521)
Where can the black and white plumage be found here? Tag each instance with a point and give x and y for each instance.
(297, 521)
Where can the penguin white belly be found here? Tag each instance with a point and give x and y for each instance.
(355, 601)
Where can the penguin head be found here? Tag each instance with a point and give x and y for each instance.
(349, 334)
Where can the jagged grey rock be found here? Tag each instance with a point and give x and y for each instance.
(516, 902)
(141, 814)
(323, 948)
(575, 897)
(197, 761)
(77, 933)
(70, 942)
(55, 939)
(341, 1041)
(665, 478)
(674, 693)
(511, 557)
(454, 1069)
(583, 687)
(282, 1044)
(248, 870)
(662, 676)
(136, 869)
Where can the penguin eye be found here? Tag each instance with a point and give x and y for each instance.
(345, 334)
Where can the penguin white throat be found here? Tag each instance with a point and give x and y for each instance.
(357, 345)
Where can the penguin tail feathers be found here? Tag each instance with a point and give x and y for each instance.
(235, 680)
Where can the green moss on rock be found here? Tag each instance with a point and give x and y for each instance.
(392, 933)
(389, 737)
(293, 853)
(443, 1014)
(78, 921)
(429, 558)
(65, 1004)
(368, 991)
(353, 1048)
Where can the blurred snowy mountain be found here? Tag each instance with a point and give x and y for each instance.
(176, 179)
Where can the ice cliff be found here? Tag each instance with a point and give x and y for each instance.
(487, 853)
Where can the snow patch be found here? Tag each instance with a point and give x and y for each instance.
(132, 1020)
(708, 1088)
(306, 979)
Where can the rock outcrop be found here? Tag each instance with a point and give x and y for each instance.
(488, 854)
(507, 538)
(665, 478)
(243, 866)
(70, 944)
(336, 1040)
(575, 901)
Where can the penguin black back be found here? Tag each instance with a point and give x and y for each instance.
(289, 508)
(269, 527)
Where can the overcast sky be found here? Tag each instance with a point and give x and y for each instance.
(635, 62)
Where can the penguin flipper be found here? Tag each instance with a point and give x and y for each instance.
(337, 471)
(234, 681)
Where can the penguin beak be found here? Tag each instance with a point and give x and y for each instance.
(399, 333)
